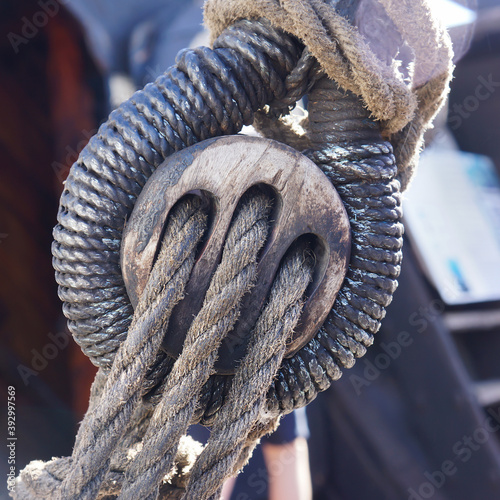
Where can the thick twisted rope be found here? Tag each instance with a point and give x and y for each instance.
(403, 102)
(83, 474)
(102, 427)
(109, 418)
(232, 440)
(233, 278)
(210, 93)
(251, 64)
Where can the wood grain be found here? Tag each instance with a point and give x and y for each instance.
(223, 169)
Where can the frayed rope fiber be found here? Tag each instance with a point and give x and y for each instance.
(404, 107)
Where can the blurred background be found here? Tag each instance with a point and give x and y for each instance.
(419, 416)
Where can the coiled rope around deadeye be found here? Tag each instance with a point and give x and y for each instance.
(129, 444)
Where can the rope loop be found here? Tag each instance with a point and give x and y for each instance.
(130, 443)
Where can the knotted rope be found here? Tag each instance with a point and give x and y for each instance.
(405, 105)
(130, 443)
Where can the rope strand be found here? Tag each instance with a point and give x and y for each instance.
(233, 278)
(245, 404)
(108, 421)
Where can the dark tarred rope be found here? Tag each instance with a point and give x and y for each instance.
(210, 93)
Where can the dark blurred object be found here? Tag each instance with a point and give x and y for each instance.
(404, 414)
(139, 39)
(51, 95)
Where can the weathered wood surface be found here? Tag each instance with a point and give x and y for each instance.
(223, 169)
